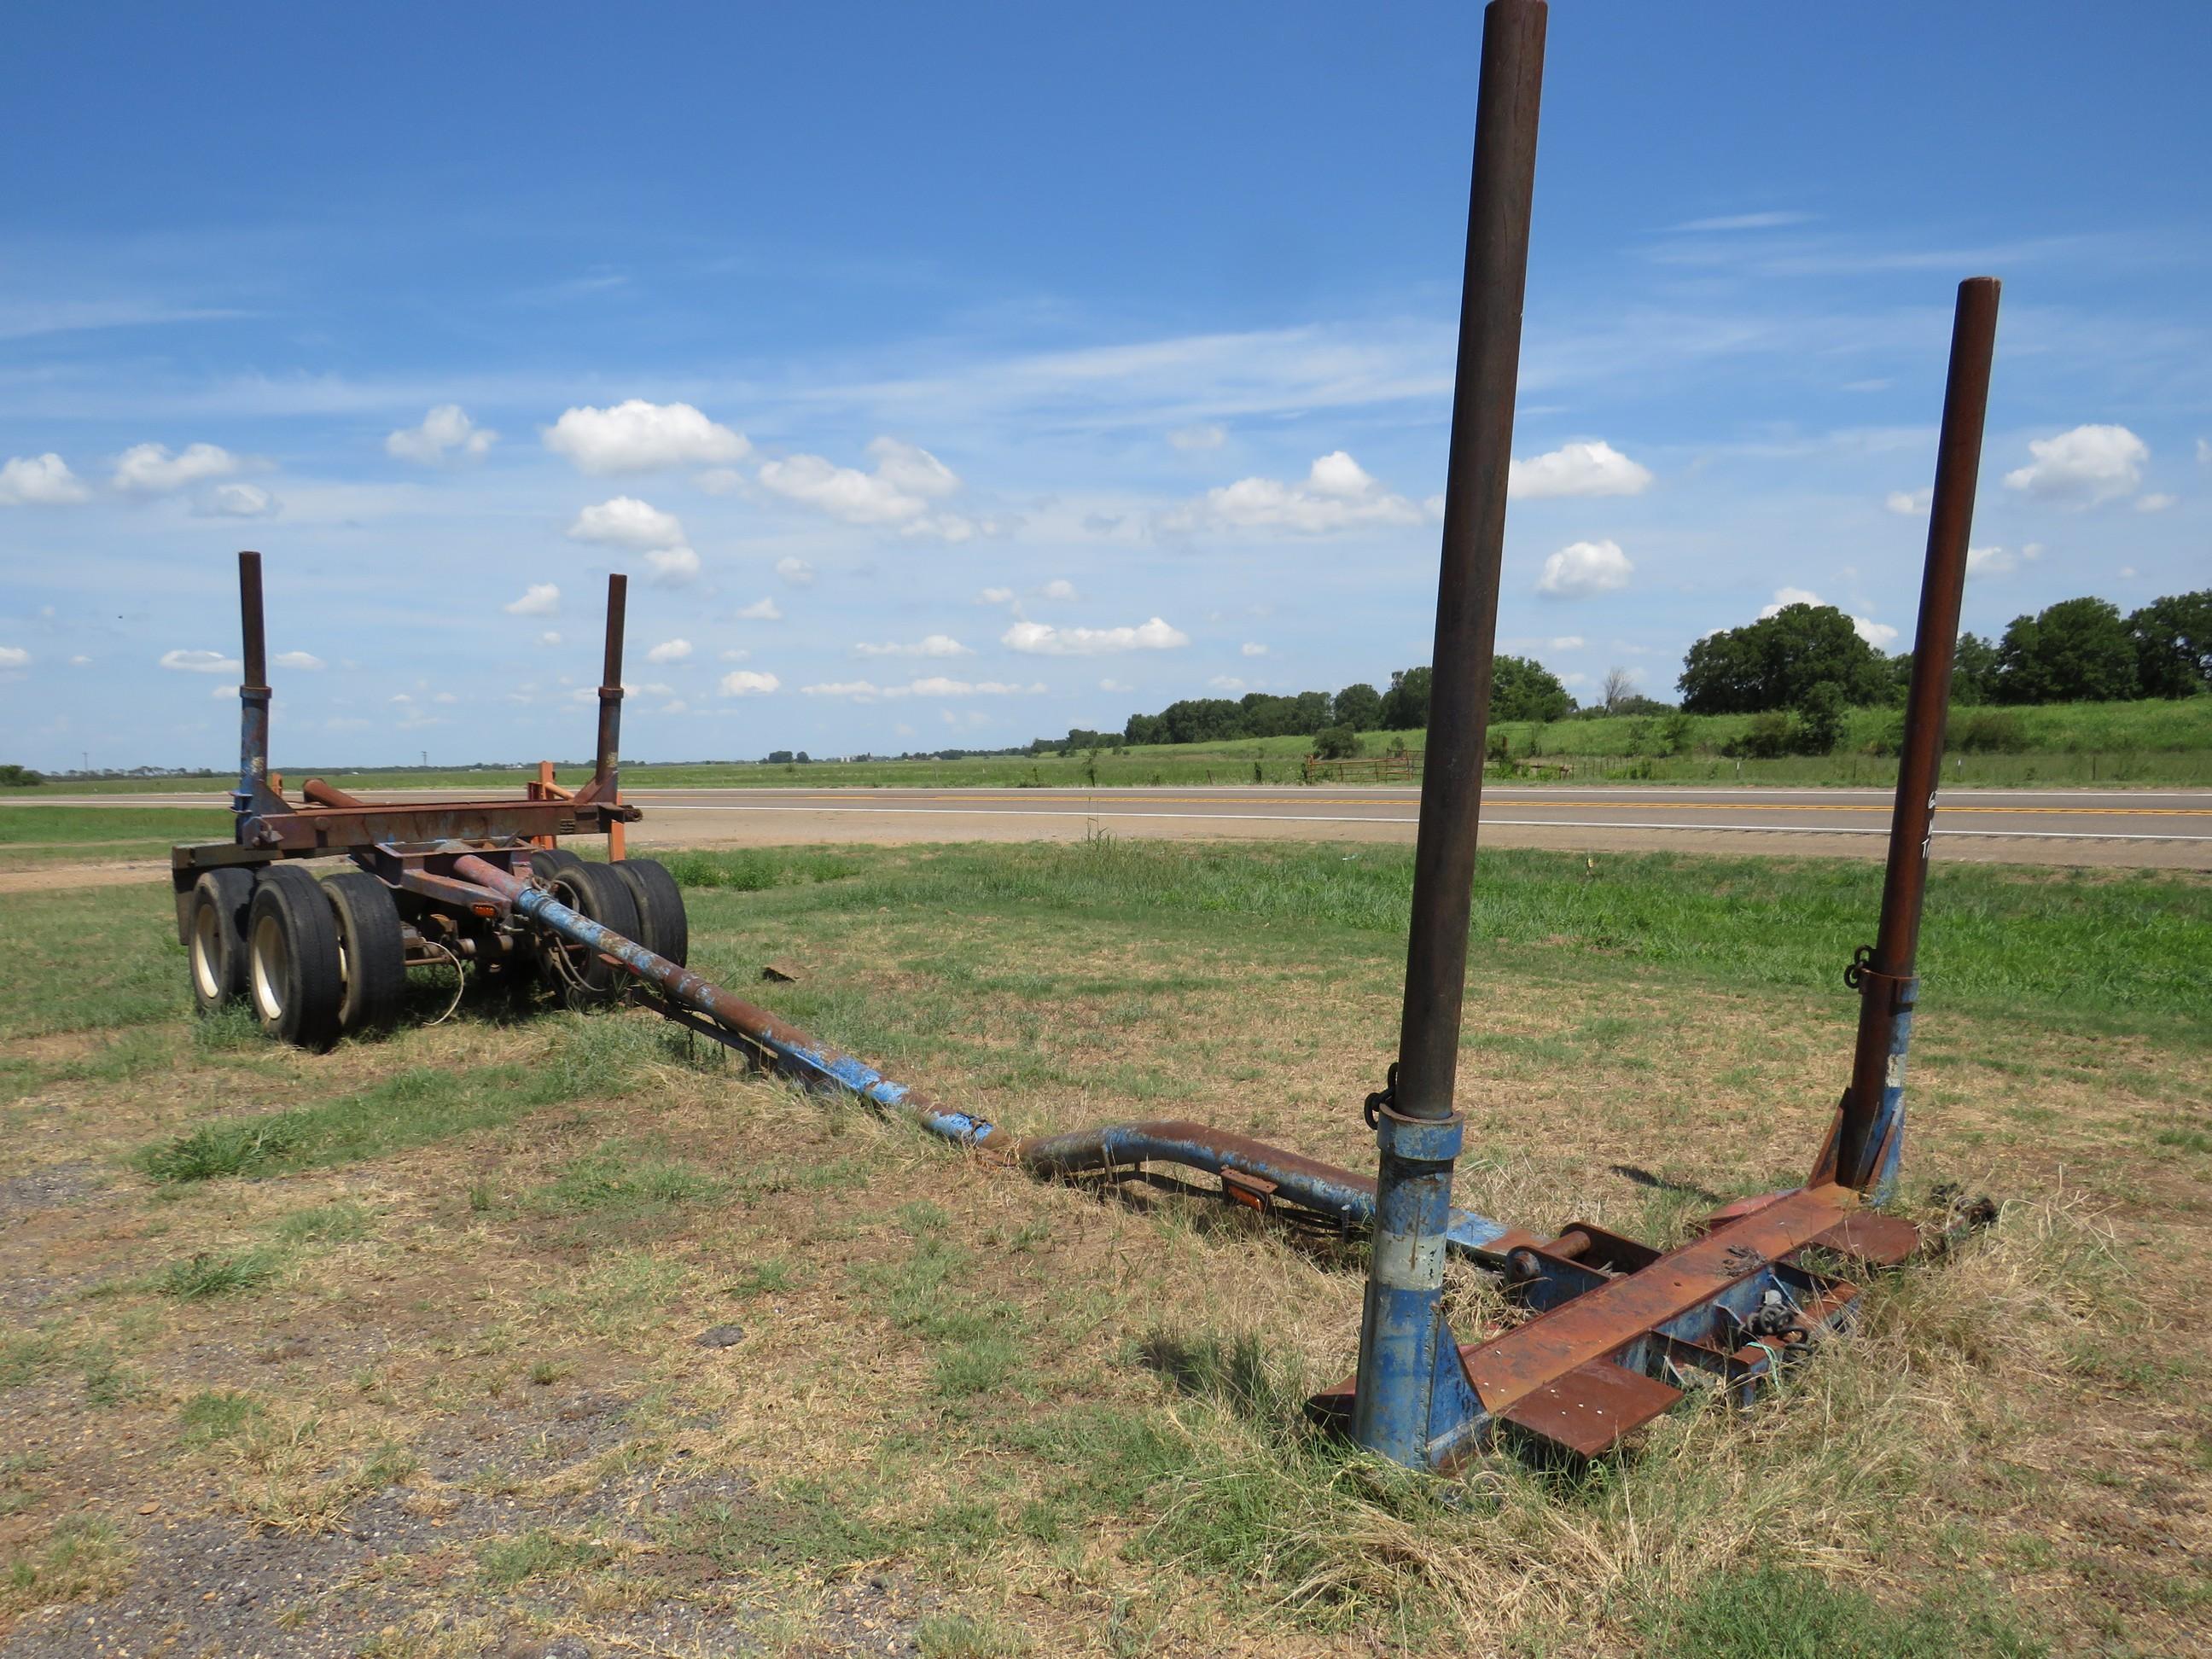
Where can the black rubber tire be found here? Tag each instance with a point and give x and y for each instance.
(215, 942)
(547, 862)
(666, 930)
(291, 976)
(587, 979)
(372, 952)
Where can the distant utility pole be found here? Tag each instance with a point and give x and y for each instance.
(426, 757)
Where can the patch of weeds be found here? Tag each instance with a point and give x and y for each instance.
(803, 1524)
(617, 1179)
(412, 1108)
(1776, 1612)
(17, 1490)
(198, 1278)
(546, 1372)
(977, 1365)
(83, 1557)
(959, 1636)
(538, 1554)
(107, 1380)
(229, 1028)
(1239, 1373)
(216, 1150)
(22, 1357)
(482, 1198)
(327, 1223)
(762, 1279)
(218, 1414)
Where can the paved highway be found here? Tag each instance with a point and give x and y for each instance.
(2171, 829)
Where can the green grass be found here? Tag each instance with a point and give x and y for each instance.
(1772, 1611)
(538, 1554)
(412, 1108)
(619, 1180)
(2153, 741)
(205, 1275)
(2131, 944)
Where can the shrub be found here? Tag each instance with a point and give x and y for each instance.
(1820, 717)
(1769, 735)
(1336, 742)
(1989, 732)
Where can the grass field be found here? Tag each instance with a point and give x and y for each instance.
(2151, 744)
(398, 1350)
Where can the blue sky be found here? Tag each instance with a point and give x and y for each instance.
(957, 374)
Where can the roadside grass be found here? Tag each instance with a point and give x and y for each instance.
(465, 1274)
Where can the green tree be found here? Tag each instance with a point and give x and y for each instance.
(1406, 704)
(2173, 644)
(2075, 651)
(1145, 728)
(1974, 671)
(1523, 688)
(1359, 707)
(1335, 742)
(1775, 662)
(1821, 719)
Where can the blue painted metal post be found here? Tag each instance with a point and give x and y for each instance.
(1413, 1402)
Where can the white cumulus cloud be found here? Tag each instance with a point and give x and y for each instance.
(1039, 639)
(2090, 463)
(795, 570)
(933, 645)
(150, 470)
(2000, 561)
(761, 611)
(1058, 588)
(15, 656)
(446, 434)
(995, 596)
(201, 662)
(539, 599)
(1253, 649)
(1581, 570)
(747, 682)
(2154, 503)
(39, 481)
(1908, 503)
(626, 521)
(1578, 468)
(236, 501)
(637, 437)
(669, 651)
(1336, 494)
(898, 493)
(306, 661)
(1190, 438)
(671, 567)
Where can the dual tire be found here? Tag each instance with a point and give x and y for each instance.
(634, 897)
(318, 959)
(312, 959)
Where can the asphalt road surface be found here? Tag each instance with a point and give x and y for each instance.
(2170, 829)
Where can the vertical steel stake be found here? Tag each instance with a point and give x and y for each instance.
(1869, 1134)
(1414, 1401)
(607, 765)
(254, 795)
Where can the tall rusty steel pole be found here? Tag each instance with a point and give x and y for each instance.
(253, 694)
(1870, 1125)
(1403, 1337)
(607, 762)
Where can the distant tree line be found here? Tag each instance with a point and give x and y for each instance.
(2076, 651)
(1520, 689)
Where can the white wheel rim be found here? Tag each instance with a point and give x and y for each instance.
(271, 955)
(205, 922)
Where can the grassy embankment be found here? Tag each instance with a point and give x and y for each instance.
(2147, 744)
(985, 1416)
